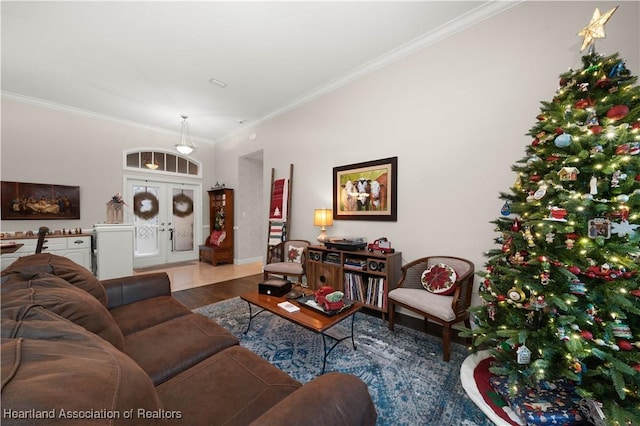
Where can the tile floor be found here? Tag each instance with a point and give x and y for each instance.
(192, 274)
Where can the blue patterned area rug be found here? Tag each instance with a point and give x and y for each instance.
(407, 379)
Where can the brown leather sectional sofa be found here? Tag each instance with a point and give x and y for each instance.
(76, 350)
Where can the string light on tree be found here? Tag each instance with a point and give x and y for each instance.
(565, 275)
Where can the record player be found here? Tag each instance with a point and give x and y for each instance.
(348, 244)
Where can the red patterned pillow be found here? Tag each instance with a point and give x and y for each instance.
(295, 254)
(217, 237)
(439, 279)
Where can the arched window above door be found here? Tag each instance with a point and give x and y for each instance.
(159, 161)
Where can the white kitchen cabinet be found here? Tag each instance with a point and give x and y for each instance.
(75, 247)
(113, 250)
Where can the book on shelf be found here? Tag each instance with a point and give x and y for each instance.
(369, 291)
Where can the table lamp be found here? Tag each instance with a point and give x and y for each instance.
(322, 218)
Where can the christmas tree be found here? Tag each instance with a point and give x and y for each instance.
(561, 293)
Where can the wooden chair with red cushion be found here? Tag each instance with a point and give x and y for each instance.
(438, 288)
(286, 259)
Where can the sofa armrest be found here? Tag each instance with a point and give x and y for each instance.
(126, 290)
(331, 399)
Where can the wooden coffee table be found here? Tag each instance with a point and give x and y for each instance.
(305, 317)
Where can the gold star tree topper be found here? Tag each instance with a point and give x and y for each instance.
(595, 29)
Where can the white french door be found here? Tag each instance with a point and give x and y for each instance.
(166, 216)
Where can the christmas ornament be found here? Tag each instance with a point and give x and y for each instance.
(562, 141)
(506, 209)
(618, 70)
(518, 258)
(516, 294)
(557, 214)
(622, 330)
(583, 103)
(568, 173)
(595, 29)
(540, 193)
(569, 243)
(624, 345)
(600, 227)
(529, 237)
(616, 177)
(593, 185)
(624, 229)
(578, 288)
(524, 355)
(617, 112)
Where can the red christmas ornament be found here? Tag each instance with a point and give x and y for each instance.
(559, 131)
(552, 158)
(604, 83)
(535, 142)
(515, 227)
(586, 334)
(617, 112)
(624, 345)
(535, 178)
(636, 125)
(501, 297)
(583, 103)
(575, 270)
(637, 367)
(595, 130)
(635, 292)
(637, 178)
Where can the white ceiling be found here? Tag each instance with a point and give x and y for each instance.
(150, 62)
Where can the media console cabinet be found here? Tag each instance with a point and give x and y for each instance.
(364, 276)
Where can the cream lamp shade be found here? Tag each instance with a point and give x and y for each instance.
(322, 218)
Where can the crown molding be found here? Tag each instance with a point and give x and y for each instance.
(66, 108)
(460, 23)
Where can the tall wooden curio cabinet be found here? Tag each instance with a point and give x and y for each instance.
(218, 246)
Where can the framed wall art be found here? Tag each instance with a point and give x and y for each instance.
(41, 201)
(366, 191)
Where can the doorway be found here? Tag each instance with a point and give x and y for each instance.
(166, 221)
(250, 212)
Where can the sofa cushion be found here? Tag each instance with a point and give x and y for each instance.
(62, 298)
(71, 371)
(243, 385)
(146, 313)
(193, 337)
(67, 269)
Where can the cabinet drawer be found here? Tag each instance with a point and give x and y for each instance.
(78, 242)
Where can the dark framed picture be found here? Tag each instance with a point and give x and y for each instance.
(21, 201)
(366, 191)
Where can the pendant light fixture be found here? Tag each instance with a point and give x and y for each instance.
(184, 144)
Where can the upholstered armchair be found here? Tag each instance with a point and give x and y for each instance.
(438, 288)
(287, 258)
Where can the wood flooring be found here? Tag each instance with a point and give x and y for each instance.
(207, 294)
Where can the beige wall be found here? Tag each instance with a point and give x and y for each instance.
(455, 114)
(46, 145)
